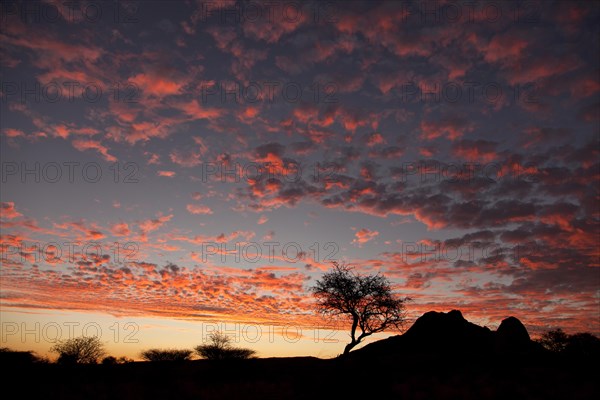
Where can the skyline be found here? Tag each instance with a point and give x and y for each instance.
(177, 167)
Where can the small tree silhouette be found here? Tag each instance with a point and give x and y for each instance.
(166, 355)
(80, 350)
(220, 348)
(367, 300)
(555, 340)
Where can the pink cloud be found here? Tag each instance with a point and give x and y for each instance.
(190, 157)
(272, 29)
(375, 139)
(451, 127)
(195, 111)
(157, 84)
(535, 69)
(55, 49)
(9, 211)
(153, 158)
(13, 133)
(198, 209)
(120, 229)
(88, 144)
(506, 47)
(476, 150)
(364, 235)
(90, 231)
(168, 174)
(150, 225)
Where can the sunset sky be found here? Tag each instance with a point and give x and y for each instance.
(169, 167)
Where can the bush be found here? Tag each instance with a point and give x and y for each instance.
(555, 341)
(110, 360)
(80, 350)
(220, 348)
(166, 355)
(582, 344)
(15, 358)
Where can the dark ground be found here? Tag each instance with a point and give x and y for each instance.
(311, 378)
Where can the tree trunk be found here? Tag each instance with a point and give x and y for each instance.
(349, 347)
(353, 342)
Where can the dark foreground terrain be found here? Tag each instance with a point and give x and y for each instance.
(442, 356)
(309, 378)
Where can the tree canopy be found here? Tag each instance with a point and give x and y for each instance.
(166, 355)
(79, 350)
(220, 348)
(367, 300)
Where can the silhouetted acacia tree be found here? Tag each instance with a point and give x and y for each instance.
(555, 340)
(220, 348)
(80, 350)
(368, 300)
(166, 355)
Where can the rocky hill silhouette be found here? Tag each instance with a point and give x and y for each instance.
(447, 334)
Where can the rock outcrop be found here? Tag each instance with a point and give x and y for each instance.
(450, 334)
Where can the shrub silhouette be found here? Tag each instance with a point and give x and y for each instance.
(15, 358)
(367, 300)
(220, 348)
(582, 344)
(80, 350)
(555, 340)
(110, 360)
(158, 355)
